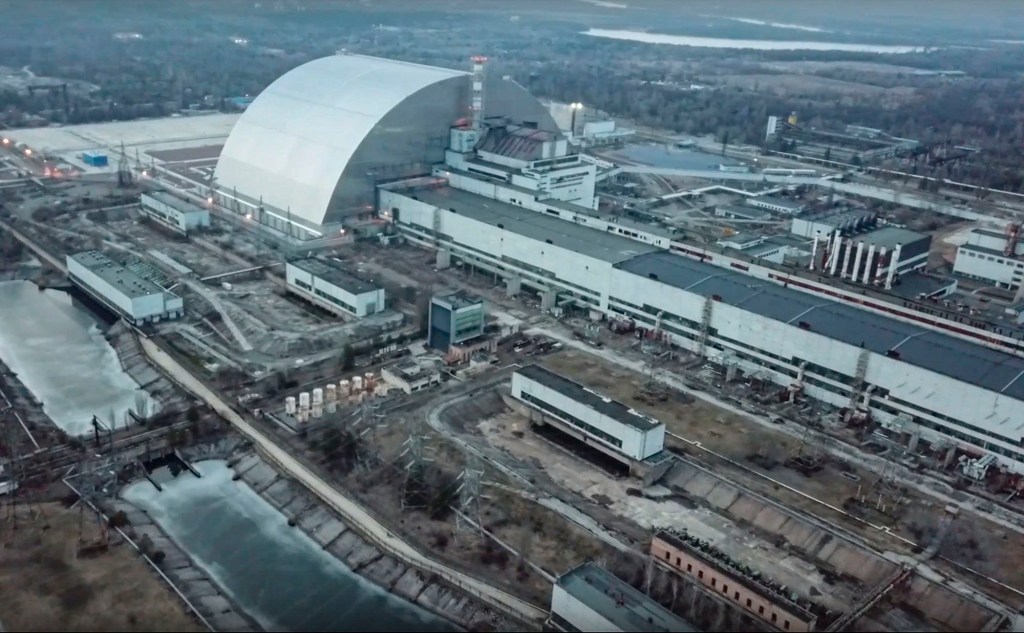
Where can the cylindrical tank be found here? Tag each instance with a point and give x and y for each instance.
(304, 401)
(318, 396)
(368, 380)
(331, 394)
(357, 384)
(344, 388)
(289, 405)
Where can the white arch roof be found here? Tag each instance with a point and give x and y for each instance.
(293, 142)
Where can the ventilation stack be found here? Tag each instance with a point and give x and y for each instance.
(477, 104)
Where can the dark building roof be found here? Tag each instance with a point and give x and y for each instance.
(618, 602)
(605, 406)
(973, 364)
(333, 273)
(521, 143)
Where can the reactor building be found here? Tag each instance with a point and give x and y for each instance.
(306, 156)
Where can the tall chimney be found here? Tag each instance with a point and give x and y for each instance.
(867, 263)
(893, 263)
(854, 275)
(477, 105)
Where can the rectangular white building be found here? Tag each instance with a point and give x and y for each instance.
(983, 257)
(776, 204)
(611, 423)
(173, 212)
(128, 295)
(590, 598)
(325, 283)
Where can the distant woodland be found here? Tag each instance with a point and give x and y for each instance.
(188, 56)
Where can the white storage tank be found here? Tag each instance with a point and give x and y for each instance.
(289, 405)
(304, 402)
(368, 380)
(318, 396)
(357, 384)
(344, 388)
(331, 397)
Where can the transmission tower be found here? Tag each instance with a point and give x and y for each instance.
(413, 458)
(124, 170)
(469, 495)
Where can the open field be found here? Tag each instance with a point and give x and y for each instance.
(46, 586)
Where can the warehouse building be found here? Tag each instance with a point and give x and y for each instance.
(986, 256)
(610, 426)
(919, 383)
(735, 583)
(325, 283)
(454, 319)
(173, 212)
(133, 298)
(775, 204)
(590, 598)
(306, 155)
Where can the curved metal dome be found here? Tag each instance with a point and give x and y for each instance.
(316, 141)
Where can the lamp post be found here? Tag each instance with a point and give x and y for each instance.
(576, 107)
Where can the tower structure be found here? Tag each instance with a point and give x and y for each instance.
(477, 104)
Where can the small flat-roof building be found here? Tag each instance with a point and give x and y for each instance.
(409, 376)
(173, 212)
(325, 283)
(612, 427)
(776, 204)
(122, 291)
(590, 598)
(985, 257)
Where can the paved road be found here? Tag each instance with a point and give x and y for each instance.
(350, 511)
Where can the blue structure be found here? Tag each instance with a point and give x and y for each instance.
(453, 319)
(95, 159)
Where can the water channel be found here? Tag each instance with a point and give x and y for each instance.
(58, 352)
(274, 572)
(763, 45)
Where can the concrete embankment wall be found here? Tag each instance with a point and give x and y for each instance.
(191, 580)
(135, 364)
(938, 603)
(308, 514)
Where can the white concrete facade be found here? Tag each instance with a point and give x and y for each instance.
(497, 190)
(410, 377)
(562, 178)
(634, 442)
(332, 296)
(941, 406)
(174, 213)
(131, 297)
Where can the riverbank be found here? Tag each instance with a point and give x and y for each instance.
(306, 512)
(202, 592)
(54, 577)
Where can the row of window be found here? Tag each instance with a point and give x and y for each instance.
(992, 258)
(573, 420)
(774, 617)
(344, 306)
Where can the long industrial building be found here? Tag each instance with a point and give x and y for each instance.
(125, 293)
(610, 426)
(916, 381)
